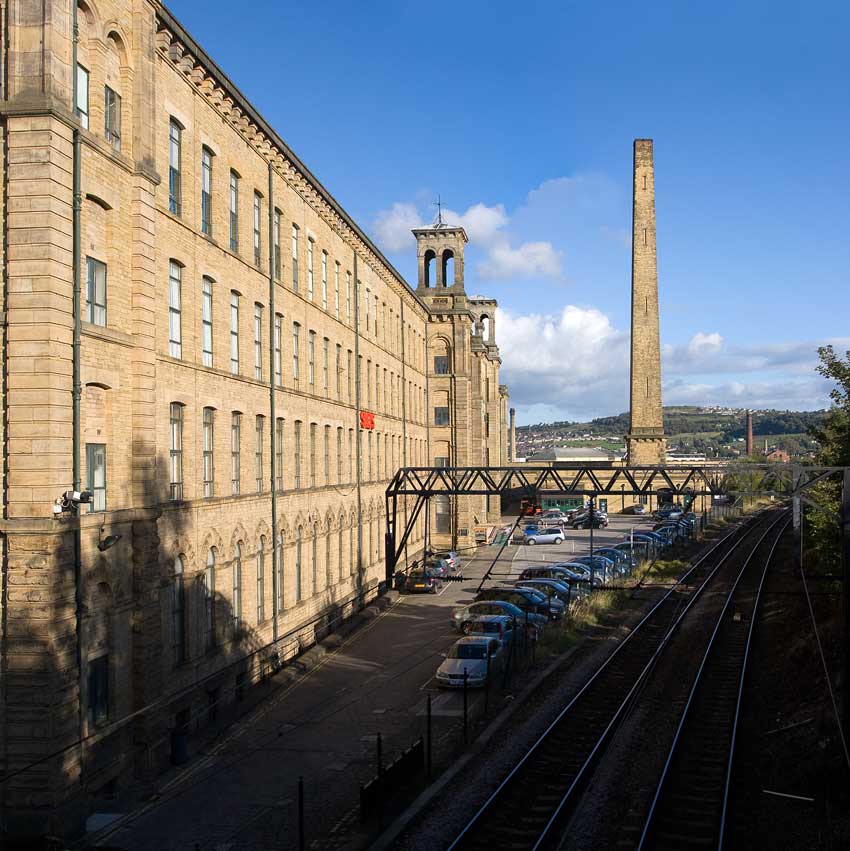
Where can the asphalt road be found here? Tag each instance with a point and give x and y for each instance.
(241, 794)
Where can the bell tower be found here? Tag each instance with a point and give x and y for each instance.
(439, 251)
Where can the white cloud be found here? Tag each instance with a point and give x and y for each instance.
(393, 226)
(481, 223)
(531, 259)
(800, 394)
(702, 343)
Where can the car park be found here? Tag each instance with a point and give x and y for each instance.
(545, 536)
(470, 655)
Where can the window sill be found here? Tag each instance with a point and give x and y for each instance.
(109, 335)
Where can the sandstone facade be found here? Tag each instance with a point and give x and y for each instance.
(235, 326)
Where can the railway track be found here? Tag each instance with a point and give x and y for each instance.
(532, 803)
(691, 798)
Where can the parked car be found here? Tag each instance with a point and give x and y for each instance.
(552, 571)
(582, 520)
(423, 581)
(639, 550)
(623, 562)
(524, 598)
(439, 565)
(669, 512)
(554, 609)
(470, 654)
(655, 535)
(545, 536)
(451, 557)
(565, 592)
(600, 565)
(637, 508)
(501, 627)
(494, 607)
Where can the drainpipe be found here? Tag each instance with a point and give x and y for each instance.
(357, 421)
(76, 390)
(272, 413)
(403, 413)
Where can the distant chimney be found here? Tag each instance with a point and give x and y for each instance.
(512, 436)
(749, 432)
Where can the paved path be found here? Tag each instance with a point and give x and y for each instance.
(242, 794)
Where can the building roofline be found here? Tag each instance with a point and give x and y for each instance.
(204, 58)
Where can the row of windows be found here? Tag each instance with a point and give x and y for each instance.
(111, 108)
(376, 318)
(382, 454)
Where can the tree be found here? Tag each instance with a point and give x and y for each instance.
(833, 438)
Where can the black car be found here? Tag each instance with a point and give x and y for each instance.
(582, 520)
(421, 581)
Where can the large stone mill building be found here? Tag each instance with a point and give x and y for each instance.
(241, 375)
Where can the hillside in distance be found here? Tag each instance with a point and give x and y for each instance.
(711, 430)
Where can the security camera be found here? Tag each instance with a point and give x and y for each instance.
(57, 508)
(71, 496)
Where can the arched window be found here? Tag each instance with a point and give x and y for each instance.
(261, 580)
(448, 268)
(236, 598)
(485, 328)
(328, 555)
(209, 600)
(298, 565)
(178, 612)
(352, 556)
(339, 550)
(429, 268)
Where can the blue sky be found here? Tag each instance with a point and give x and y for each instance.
(522, 117)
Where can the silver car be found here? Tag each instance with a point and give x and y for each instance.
(545, 536)
(470, 654)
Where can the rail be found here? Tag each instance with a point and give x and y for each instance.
(506, 819)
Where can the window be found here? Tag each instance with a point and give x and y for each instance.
(441, 416)
(209, 600)
(325, 366)
(208, 426)
(351, 455)
(206, 322)
(309, 268)
(338, 455)
(261, 580)
(312, 455)
(367, 309)
(112, 118)
(235, 452)
(178, 613)
(327, 455)
(297, 450)
(276, 244)
(369, 456)
(348, 374)
(311, 358)
(443, 516)
(95, 291)
(175, 335)
(236, 597)
(278, 358)
(176, 452)
(96, 475)
(82, 107)
(324, 280)
(175, 156)
(258, 452)
(296, 331)
(258, 342)
(206, 191)
(295, 258)
(258, 246)
(278, 454)
(348, 297)
(234, 332)
(298, 565)
(280, 572)
(338, 371)
(441, 364)
(98, 683)
(315, 559)
(442, 461)
(336, 290)
(234, 211)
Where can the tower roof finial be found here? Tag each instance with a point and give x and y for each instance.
(439, 205)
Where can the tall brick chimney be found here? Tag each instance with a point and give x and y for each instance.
(749, 432)
(512, 437)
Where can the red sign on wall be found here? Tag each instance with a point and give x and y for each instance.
(367, 420)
